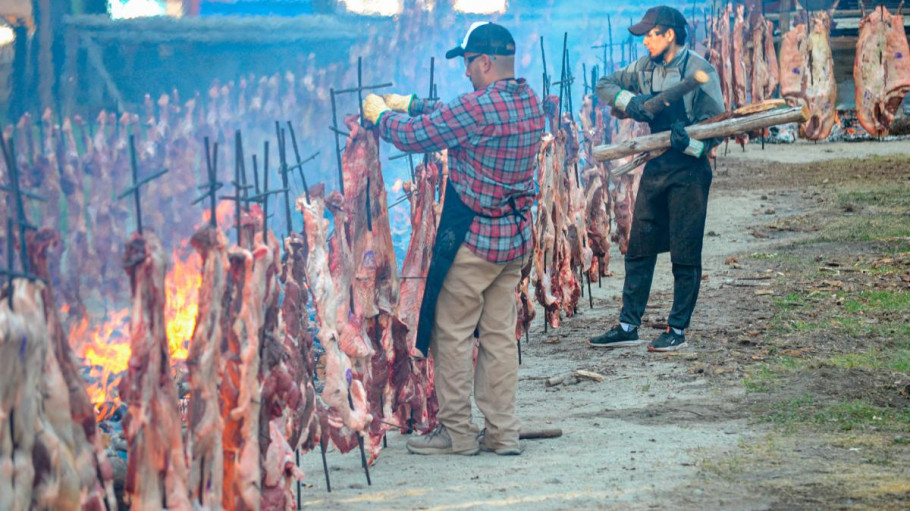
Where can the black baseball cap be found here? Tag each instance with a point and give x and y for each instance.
(485, 37)
(662, 15)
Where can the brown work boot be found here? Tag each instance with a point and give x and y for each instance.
(502, 450)
(437, 441)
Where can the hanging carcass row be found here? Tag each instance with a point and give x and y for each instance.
(881, 70)
(807, 73)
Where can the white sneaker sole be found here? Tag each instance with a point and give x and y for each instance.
(617, 344)
(678, 347)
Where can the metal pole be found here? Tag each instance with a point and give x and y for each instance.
(135, 181)
(337, 141)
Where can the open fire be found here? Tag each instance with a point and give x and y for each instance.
(103, 342)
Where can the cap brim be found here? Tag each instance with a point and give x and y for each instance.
(457, 51)
(641, 28)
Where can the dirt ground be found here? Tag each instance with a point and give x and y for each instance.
(793, 394)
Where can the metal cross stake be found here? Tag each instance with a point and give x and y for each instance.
(21, 221)
(213, 185)
(299, 166)
(546, 77)
(137, 184)
(283, 170)
(334, 127)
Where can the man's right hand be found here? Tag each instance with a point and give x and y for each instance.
(636, 108)
(398, 102)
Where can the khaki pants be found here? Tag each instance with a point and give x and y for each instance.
(477, 294)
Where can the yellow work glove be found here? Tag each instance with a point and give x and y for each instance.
(373, 108)
(398, 102)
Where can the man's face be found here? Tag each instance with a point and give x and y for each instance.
(657, 40)
(474, 69)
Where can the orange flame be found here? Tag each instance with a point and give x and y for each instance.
(104, 344)
(181, 286)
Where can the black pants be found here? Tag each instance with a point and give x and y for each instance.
(637, 288)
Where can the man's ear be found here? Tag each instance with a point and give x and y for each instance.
(671, 35)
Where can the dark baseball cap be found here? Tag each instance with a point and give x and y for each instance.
(661, 15)
(485, 37)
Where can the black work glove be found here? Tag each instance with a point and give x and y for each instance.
(679, 139)
(636, 108)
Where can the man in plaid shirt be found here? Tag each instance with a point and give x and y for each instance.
(483, 238)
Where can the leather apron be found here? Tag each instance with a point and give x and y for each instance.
(671, 205)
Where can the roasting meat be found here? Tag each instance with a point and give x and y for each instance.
(807, 74)
(625, 187)
(597, 197)
(302, 425)
(376, 277)
(156, 470)
(741, 61)
(765, 71)
(22, 338)
(281, 396)
(205, 424)
(545, 229)
(78, 427)
(881, 70)
(411, 375)
(328, 274)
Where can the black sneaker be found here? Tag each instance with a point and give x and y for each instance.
(616, 337)
(668, 341)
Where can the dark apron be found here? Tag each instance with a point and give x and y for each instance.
(453, 226)
(672, 200)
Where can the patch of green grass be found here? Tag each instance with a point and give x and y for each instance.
(886, 300)
(853, 415)
(763, 379)
(768, 376)
(858, 415)
(892, 360)
(887, 197)
(865, 228)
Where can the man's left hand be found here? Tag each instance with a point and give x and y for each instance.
(681, 141)
(373, 107)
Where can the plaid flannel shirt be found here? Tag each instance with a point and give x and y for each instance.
(493, 136)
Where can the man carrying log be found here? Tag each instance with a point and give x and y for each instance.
(672, 198)
(484, 236)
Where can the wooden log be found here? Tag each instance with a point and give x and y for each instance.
(540, 433)
(719, 129)
(636, 162)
